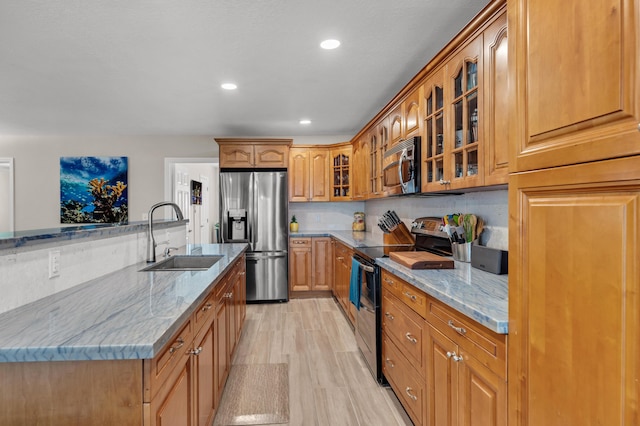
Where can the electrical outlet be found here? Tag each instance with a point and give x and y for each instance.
(54, 263)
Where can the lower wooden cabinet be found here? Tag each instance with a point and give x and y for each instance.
(445, 368)
(181, 385)
(310, 264)
(342, 257)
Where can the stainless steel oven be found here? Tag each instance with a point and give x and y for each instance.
(368, 318)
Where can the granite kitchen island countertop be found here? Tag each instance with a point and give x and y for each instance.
(126, 314)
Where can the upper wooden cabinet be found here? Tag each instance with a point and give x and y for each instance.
(578, 98)
(341, 173)
(309, 173)
(496, 103)
(361, 158)
(433, 170)
(378, 143)
(254, 153)
(404, 119)
(463, 138)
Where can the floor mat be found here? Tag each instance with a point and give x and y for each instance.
(255, 395)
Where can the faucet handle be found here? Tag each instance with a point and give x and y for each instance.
(167, 251)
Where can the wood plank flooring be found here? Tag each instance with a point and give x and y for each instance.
(329, 383)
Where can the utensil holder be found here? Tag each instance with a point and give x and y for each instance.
(399, 235)
(462, 251)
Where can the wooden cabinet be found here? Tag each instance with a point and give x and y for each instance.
(300, 264)
(433, 166)
(577, 100)
(181, 385)
(496, 102)
(378, 143)
(463, 138)
(445, 368)
(309, 172)
(254, 153)
(574, 302)
(343, 257)
(310, 264)
(341, 173)
(360, 179)
(405, 119)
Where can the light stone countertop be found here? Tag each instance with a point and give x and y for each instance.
(477, 294)
(126, 314)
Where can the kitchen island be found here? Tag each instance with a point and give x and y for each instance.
(127, 348)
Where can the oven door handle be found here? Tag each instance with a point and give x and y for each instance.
(367, 268)
(364, 307)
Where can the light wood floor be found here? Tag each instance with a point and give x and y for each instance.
(329, 383)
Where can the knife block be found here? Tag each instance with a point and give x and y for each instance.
(399, 235)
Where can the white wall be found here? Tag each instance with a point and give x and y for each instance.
(37, 170)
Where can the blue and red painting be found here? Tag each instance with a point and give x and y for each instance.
(93, 190)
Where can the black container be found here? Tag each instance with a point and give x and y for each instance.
(490, 260)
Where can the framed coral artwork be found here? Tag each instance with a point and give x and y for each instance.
(93, 190)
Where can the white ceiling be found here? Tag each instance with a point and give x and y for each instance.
(154, 67)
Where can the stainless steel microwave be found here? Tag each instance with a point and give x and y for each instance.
(402, 174)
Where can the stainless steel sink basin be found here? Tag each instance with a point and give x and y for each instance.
(184, 263)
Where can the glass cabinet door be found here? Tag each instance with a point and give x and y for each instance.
(465, 143)
(433, 170)
(341, 186)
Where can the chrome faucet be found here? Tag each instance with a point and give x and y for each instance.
(151, 242)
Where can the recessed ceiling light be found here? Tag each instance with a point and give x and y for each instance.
(305, 121)
(228, 86)
(330, 44)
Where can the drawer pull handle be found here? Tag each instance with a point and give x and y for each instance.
(340, 258)
(454, 356)
(410, 296)
(408, 391)
(388, 315)
(180, 344)
(388, 281)
(411, 338)
(207, 307)
(460, 330)
(196, 351)
(391, 364)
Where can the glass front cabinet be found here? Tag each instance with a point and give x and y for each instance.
(464, 139)
(340, 180)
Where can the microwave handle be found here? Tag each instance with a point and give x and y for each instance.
(403, 156)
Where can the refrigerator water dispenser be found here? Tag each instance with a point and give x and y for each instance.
(238, 224)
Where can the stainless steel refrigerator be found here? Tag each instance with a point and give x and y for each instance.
(253, 209)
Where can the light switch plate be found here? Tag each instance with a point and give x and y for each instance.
(54, 263)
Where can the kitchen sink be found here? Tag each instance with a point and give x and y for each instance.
(184, 263)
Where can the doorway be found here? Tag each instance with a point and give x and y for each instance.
(6, 195)
(182, 175)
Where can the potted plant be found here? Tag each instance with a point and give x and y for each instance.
(293, 226)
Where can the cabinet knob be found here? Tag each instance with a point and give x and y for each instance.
(196, 351)
(180, 343)
(410, 296)
(411, 338)
(455, 357)
(460, 330)
(409, 391)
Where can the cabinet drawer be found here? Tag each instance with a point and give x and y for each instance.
(405, 328)
(409, 386)
(414, 298)
(391, 283)
(482, 343)
(300, 242)
(204, 312)
(160, 367)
